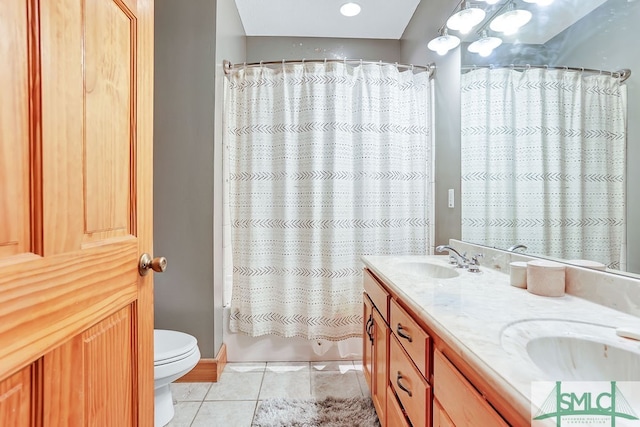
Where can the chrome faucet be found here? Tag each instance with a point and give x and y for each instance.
(460, 260)
(514, 247)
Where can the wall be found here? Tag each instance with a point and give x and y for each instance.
(185, 104)
(231, 44)
(423, 27)
(276, 48)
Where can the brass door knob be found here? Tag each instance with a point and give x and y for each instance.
(147, 263)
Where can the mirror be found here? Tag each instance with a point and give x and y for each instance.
(560, 208)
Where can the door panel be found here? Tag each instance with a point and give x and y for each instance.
(109, 145)
(14, 132)
(104, 353)
(15, 399)
(75, 150)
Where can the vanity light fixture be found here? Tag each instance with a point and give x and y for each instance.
(350, 9)
(485, 45)
(443, 43)
(511, 21)
(466, 18)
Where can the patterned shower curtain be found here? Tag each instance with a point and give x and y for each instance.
(327, 162)
(543, 162)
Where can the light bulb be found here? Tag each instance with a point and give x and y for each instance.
(350, 9)
(485, 45)
(466, 19)
(444, 43)
(510, 22)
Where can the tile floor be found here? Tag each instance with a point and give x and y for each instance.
(232, 401)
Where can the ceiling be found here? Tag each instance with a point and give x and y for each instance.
(379, 19)
(387, 19)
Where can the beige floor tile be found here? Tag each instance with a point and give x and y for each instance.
(333, 365)
(185, 413)
(294, 384)
(242, 367)
(189, 392)
(225, 414)
(287, 366)
(363, 384)
(236, 386)
(336, 384)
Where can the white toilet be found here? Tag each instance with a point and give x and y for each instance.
(175, 354)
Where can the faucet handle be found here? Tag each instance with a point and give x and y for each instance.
(453, 259)
(474, 263)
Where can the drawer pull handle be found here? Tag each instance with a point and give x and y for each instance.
(403, 388)
(369, 326)
(402, 334)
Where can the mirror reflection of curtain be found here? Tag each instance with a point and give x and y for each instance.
(327, 162)
(543, 162)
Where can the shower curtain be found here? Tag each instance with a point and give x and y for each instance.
(327, 162)
(543, 162)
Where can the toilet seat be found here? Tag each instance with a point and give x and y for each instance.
(172, 346)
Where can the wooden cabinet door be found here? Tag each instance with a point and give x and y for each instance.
(76, 207)
(380, 374)
(367, 342)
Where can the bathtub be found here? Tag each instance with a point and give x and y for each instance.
(271, 348)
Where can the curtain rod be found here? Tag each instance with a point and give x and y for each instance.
(229, 67)
(621, 74)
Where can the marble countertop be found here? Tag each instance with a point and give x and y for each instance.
(474, 313)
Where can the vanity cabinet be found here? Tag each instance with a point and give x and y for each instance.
(412, 381)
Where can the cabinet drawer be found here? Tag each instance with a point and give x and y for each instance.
(412, 389)
(461, 401)
(395, 415)
(412, 337)
(379, 296)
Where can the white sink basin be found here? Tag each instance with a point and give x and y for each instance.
(574, 351)
(584, 359)
(427, 270)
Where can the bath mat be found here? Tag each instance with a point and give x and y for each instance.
(330, 412)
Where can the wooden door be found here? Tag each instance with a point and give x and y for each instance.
(76, 319)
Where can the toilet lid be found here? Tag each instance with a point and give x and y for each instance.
(171, 345)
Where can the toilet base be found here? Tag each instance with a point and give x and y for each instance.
(163, 403)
